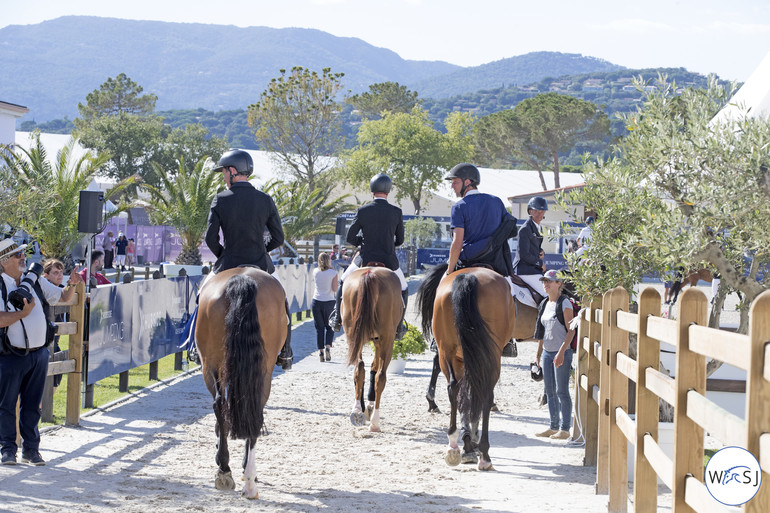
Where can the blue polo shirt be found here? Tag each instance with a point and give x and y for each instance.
(480, 215)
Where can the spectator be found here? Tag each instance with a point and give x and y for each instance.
(121, 245)
(553, 345)
(325, 279)
(335, 252)
(23, 354)
(584, 238)
(130, 252)
(97, 264)
(53, 270)
(127, 278)
(108, 250)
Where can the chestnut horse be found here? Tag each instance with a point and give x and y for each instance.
(240, 331)
(691, 279)
(371, 310)
(471, 314)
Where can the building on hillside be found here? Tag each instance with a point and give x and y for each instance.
(9, 113)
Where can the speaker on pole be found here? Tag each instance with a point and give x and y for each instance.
(90, 211)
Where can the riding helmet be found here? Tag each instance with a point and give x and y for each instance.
(381, 183)
(239, 159)
(589, 220)
(465, 171)
(537, 203)
(536, 372)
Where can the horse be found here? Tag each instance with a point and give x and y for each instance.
(692, 278)
(471, 315)
(525, 318)
(241, 328)
(371, 310)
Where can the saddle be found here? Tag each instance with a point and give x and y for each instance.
(523, 284)
(375, 264)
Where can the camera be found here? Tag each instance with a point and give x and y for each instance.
(24, 291)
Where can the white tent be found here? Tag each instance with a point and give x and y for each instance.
(752, 99)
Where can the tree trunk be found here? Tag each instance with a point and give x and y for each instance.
(556, 182)
(542, 178)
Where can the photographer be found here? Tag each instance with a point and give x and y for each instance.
(24, 339)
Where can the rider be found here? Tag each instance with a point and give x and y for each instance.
(584, 238)
(245, 216)
(528, 263)
(382, 229)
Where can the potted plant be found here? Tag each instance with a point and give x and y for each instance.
(411, 343)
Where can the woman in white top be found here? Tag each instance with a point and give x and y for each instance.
(325, 279)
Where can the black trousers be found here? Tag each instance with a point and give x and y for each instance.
(322, 310)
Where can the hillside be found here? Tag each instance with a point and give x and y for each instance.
(513, 71)
(51, 66)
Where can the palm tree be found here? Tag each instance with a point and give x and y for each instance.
(33, 182)
(305, 214)
(183, 201)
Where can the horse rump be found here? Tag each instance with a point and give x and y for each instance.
(244, 355)
(479, 349)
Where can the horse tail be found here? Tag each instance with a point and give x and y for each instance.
(426, 296)
(479, 349)
(244, 355)
(365, 315)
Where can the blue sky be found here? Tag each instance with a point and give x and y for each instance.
(727, 37)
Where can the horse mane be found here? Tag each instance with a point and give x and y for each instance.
(244, 354)
(479, 349)
(426, 296)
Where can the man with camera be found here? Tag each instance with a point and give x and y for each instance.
(25, 335)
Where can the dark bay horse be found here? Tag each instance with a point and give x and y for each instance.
(240, 331)
(371, 310)
(471, 315)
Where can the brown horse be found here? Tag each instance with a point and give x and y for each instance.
(371, 310)
(472, 315)
(240, 331)
(692, 278)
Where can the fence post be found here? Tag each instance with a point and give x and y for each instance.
(647, 405)
(591, 419)
(618, 398)
(603, 439)
(758, 393)
(154, 371)
(690, 375)
(581, 358)
(74, 379)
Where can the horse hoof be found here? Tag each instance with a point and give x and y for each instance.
(250, 492)
(433, 408)
(368, 414)
(485, 465)
(374, 429)
(452, 457)
(357, 418)
(224, 481)
(469, 458)
(494, 408)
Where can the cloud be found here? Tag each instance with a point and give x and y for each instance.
(635, 26)
(745, 29)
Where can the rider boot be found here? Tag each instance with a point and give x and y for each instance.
(335, 320)
(286, 357)
(402, 328)
(510, 349)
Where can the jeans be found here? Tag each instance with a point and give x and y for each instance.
(322, 310)
(557, 391)
(22, 377)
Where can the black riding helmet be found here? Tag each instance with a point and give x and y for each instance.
(381, 183)
(537, 203)
(465, 171)
(536, 372)
(239, 159)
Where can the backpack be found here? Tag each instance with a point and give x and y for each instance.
(560, 315)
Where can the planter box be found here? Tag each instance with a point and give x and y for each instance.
(397, 366)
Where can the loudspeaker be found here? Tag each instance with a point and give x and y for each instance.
(90, 211)
(339, 227)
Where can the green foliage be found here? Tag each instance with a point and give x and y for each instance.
(681, 191)
(119, 95)
(411, 343)
(297, 118)
(304, 213)
(538, 130)
(410, 150)
(420, 231)
(190, 143)
(384, 97)
(183, 201)
(31, 181)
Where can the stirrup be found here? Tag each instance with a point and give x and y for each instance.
(401, 330)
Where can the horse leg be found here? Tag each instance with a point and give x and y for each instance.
(371, 396)
(250, 471)
(431, 395)
(381, 379)
(357, 415)
(224, 477)
(469, 435)
(452, 456)
(485, 462)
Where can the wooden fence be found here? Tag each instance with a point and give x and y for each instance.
(605, 370)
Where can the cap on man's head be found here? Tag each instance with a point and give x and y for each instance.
(552, 275)
(9, 247)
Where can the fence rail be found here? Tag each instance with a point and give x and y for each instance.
(606, 369)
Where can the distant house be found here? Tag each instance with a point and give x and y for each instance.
(9, 113)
